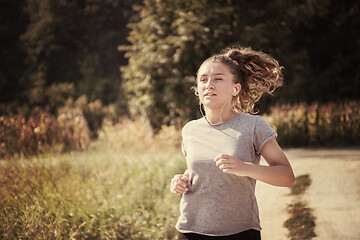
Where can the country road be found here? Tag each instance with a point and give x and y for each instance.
(334, 194)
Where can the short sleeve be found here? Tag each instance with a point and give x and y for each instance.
(263, 132)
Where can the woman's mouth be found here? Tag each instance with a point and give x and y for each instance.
(209, 94)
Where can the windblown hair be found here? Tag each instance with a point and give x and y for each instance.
(257, 73)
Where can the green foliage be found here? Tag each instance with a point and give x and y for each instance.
(75, 133)
(112, 191)
(167, 46)
(51, 45)
(95, 112)
(59, 95)
(324, 37)
(13, 21)
(172, 38)
(63, 42)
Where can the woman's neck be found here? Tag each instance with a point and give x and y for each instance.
(219, 116)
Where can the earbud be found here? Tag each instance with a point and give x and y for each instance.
(234, 90)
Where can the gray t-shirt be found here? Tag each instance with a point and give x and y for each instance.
(217, 203)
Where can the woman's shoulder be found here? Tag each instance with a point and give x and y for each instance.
(251, 117)
(248, 117)
(193, 124)
(251, 121)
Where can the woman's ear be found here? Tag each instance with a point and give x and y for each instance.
(196, 92)
(237, 89)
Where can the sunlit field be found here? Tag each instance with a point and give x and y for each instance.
(118, 186)
(116, 190)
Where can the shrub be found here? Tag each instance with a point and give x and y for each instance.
(95, 112)
(74, 130)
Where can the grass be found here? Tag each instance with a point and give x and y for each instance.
(113, 191)
(301, 223)
(118, 189)
(301, 184)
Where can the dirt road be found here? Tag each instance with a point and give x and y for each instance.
(334, 194)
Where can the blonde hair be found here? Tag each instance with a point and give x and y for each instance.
(255, 71)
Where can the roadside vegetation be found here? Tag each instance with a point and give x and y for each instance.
(118, 189)
(78, 123)
(317, 125)
(58, 181)
(301, 222)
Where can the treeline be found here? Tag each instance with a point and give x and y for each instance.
(54, 52)
(316, 42)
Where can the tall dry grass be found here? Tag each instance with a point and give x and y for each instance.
(316, 125)
(42, 132)
(118, 189)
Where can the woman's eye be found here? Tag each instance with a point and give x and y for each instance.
(218, 79)
(203, 79)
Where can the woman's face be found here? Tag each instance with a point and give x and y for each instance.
(215, 85)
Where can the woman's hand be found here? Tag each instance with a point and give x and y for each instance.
(179, 182)
(231, 164)
(277, 173)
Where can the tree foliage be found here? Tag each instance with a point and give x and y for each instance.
(13, 23)
(169, 43)
(167, 46)
(314, 40)
(66, 41)
(326, 33)
(53, 50)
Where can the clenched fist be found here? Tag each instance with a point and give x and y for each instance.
(179, 183)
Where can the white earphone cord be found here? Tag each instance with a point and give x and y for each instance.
(221, 120)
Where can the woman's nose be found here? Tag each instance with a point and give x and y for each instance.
(209, 84)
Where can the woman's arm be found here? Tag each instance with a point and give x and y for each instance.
(278, 173)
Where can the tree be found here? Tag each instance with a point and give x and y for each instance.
(169, 43)
(325, 33)
(13, 21)
(76, 42)
(316, 42)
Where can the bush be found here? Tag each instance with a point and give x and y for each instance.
(94, 113)
(75, 133)
(58, 94)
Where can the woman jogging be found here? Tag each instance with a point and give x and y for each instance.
(224, 147)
